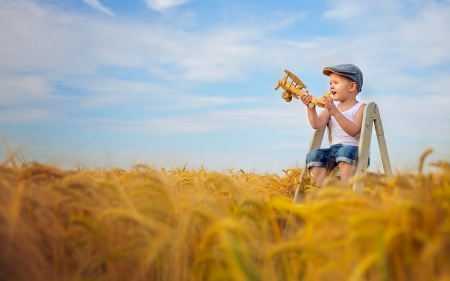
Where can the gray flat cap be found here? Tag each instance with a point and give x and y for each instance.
(348, 70)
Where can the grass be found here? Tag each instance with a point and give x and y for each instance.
(148, 224)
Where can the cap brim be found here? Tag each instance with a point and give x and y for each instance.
(328, 71)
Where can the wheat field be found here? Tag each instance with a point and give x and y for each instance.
(179, 224)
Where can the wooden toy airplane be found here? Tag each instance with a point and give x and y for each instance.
(295, 88)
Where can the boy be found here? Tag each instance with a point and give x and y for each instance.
(345, 115)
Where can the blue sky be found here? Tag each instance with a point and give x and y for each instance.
(169, 83)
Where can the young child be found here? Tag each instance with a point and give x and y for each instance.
(345, 115)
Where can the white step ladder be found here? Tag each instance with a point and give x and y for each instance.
(371, 116)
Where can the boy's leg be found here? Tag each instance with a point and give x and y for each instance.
(346, 170)
(320, 161)
(319, 173)
(346, 157)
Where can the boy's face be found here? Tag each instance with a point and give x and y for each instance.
(340, 87)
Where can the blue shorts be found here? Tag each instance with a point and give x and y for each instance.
(330, 157)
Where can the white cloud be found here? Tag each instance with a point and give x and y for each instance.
(190, 101)
(163, 5)
(26, 115)
(343, 10)
(415, 117)
(59, 47)
(98, 6)
(354, 11)
(25, 89)
(286, 119)
(64, 45)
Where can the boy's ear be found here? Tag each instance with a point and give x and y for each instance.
(353, 86)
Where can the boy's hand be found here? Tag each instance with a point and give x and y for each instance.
(330, 106)
(306, 99)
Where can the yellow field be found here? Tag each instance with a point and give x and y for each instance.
(147, 224)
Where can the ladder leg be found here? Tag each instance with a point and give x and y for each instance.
(382, 145)
(299, 198)
(315, 143)
(364, 144)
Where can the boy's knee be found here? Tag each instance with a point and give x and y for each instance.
(347, 154)
(312, 155)
(314, 158)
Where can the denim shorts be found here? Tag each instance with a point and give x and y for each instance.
(330, 157)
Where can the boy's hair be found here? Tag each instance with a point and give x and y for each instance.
(348, 70)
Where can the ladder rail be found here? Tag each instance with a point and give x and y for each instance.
(369, 116)
(315, 143)
(382, 145)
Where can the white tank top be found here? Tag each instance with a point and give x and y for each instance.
(338, 135)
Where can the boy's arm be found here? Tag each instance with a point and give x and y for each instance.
(353, 128)
(316, 121)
